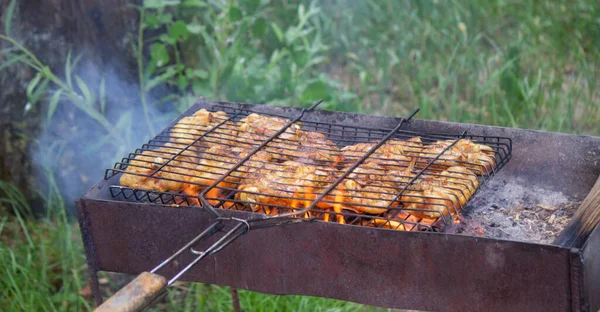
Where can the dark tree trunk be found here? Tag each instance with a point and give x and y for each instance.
(50, 28)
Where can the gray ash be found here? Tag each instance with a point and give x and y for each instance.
(513, 210)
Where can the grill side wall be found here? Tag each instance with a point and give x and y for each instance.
(425, 271)
(591, 271)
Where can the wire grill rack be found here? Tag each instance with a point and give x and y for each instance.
(232, 158)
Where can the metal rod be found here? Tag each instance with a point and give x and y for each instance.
(215, 226)
(209, 251)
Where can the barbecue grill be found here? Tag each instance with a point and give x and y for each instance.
(406, 256)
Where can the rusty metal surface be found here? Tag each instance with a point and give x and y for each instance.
(424, 271)
(591, 271)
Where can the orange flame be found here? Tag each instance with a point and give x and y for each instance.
(192, 192)
(296, 202)
(337, 207)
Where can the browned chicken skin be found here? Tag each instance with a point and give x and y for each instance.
(312, 147)
(394, 154)
(190, 128)
(476, 157)
(289, 184)
(140, 171)
(443, 193)
(254, 129)
(367, 189)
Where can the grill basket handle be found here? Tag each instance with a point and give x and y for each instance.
(136, 296)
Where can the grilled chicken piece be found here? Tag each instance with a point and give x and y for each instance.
(456, 180)
(169, 178)
(214, 163)
(367, 189)
(477, 157)
(254, 129)
(289, 184)
(193, 127)
(393, 154)
(436, 202)
(310, 147)
(444, 193)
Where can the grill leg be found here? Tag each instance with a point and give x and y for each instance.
(95, 286)
(235, 300)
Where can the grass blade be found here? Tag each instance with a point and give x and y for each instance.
(102, 95)
(8, 17)
(13, 59)
(31, 86)
(87, 94)
(54, 103)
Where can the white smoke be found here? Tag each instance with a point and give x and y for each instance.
(77, 149)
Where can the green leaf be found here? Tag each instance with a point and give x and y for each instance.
(200, 73)
(167, 39)
(54, 103)
(235, 14)
(124, 122)
(278, 32)
(157, 4)
(151, 20)
(8, 16)
(314, 91)
(31, 86)
(69, 66)
(39, 91)
(194, 3)
(102, 95)
(259, 27)
(195, 28)
(87, 95)
(159, 54)
(166, 18)
(178, 30)
(169, 73)
(182, 82)
(13, 59)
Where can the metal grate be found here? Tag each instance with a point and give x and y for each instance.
(304, 169)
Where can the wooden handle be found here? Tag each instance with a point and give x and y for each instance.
(137, 295)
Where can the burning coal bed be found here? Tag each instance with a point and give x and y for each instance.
(512, 210)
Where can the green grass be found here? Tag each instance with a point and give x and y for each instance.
(528, 64)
